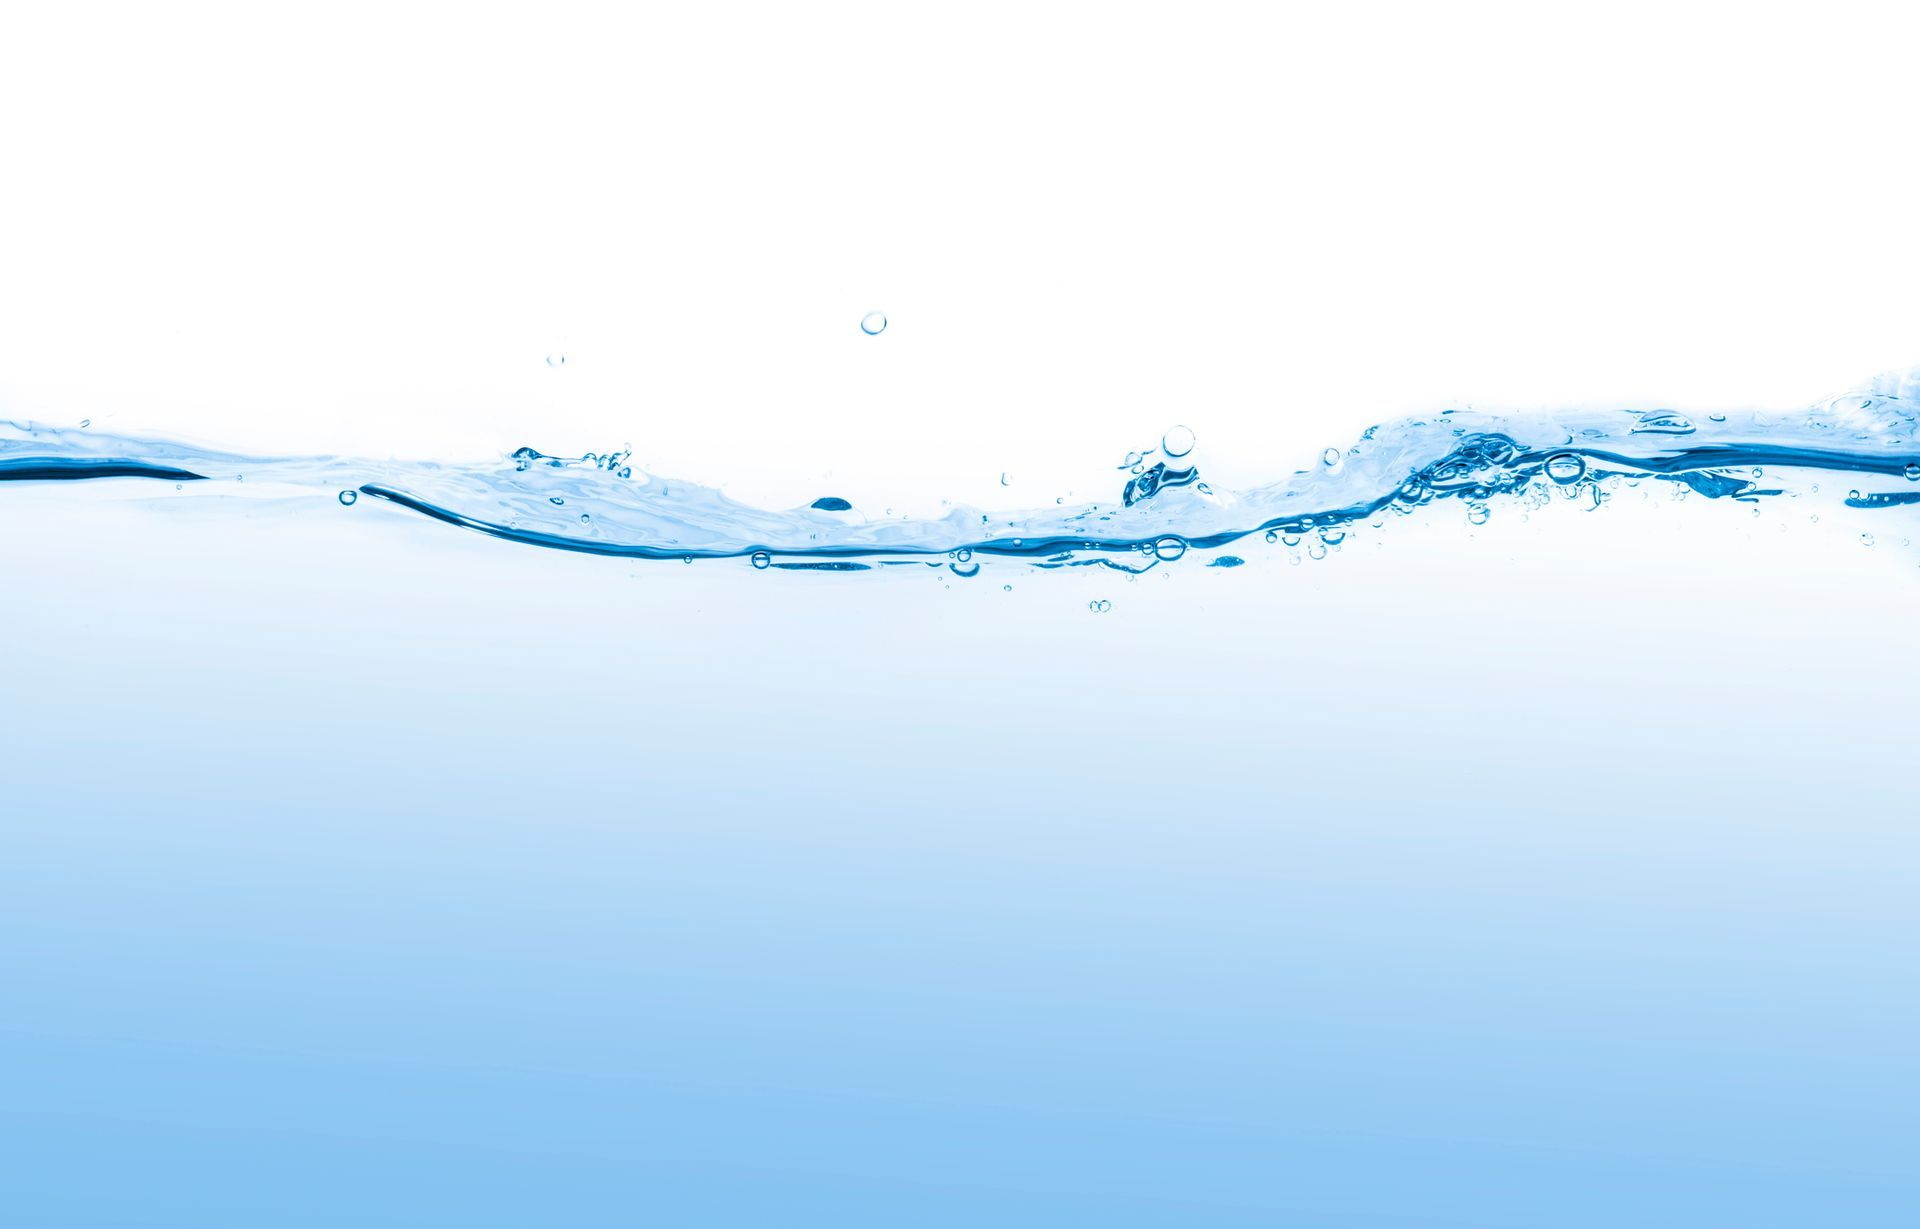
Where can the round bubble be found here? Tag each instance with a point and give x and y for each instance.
(556, 360)
(1566, 468)
(762, 560)
(1170, 548)
(1913, 471)
(1178, 441)
(1330, 458)
(873, 323)
(968, 568)
(348, 497)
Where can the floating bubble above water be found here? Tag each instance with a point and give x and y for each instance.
(1178, 441)
(1170, 548)
(762, 560)
(348, 497)
(1566, 468)
(1100, 605)
(1663, 422)
(873, 323)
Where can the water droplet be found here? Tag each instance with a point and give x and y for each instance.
(1330, 458)
(585, 518)
(762, 560)
(1663, 422)
(1912, 471)
(1565, 468)
(1170, 548)
(1866, 539)
(555, 500)
(348, 497)
(85, 423)
(1178, 441)
(1272, 537)
(556, 360)
(1716, 418)
(1006, 588)
(1477, 514)
(873, 323)
(1100, 605)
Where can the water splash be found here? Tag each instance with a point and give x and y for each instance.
(599, 504)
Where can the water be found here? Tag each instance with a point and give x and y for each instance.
(439, 859)
(1401, 468)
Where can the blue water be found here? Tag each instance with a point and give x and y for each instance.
(1538, 851)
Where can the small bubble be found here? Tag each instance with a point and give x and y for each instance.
(1006, 588)
(1291, 539)
(873, 323)
(1170, 548)
(1332, 536)
(556, 360)
(1004, 479)
(1912, 471)
(1477, 514)
(963, 555)
(964, 569)
(1716, 418)
(1330, 458)
(1100, 605)
(585, 518)
(1178, 441)
(1866, 539)
(1317, 551)
(762, 560)
(85, 423)
(1272, 537)
(1566, 467)
(348, 497)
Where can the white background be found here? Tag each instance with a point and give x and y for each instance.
(364, 228)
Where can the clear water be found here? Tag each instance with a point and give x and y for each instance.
(1501, 821)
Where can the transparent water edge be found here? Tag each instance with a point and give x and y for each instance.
(1865, 446)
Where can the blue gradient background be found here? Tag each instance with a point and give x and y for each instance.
(360, 871)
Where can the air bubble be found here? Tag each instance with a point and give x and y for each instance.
(873, 323)
(1100, 605)
(1477, 514)
(762, 560)
(966, 568)
(556, 360)
(1170, 548)
(1330, 458)
(1178, 441)
(1663, 422)
(1566, 468)
(1912, 471)
(348, 497)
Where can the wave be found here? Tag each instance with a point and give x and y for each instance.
(1164, 511)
